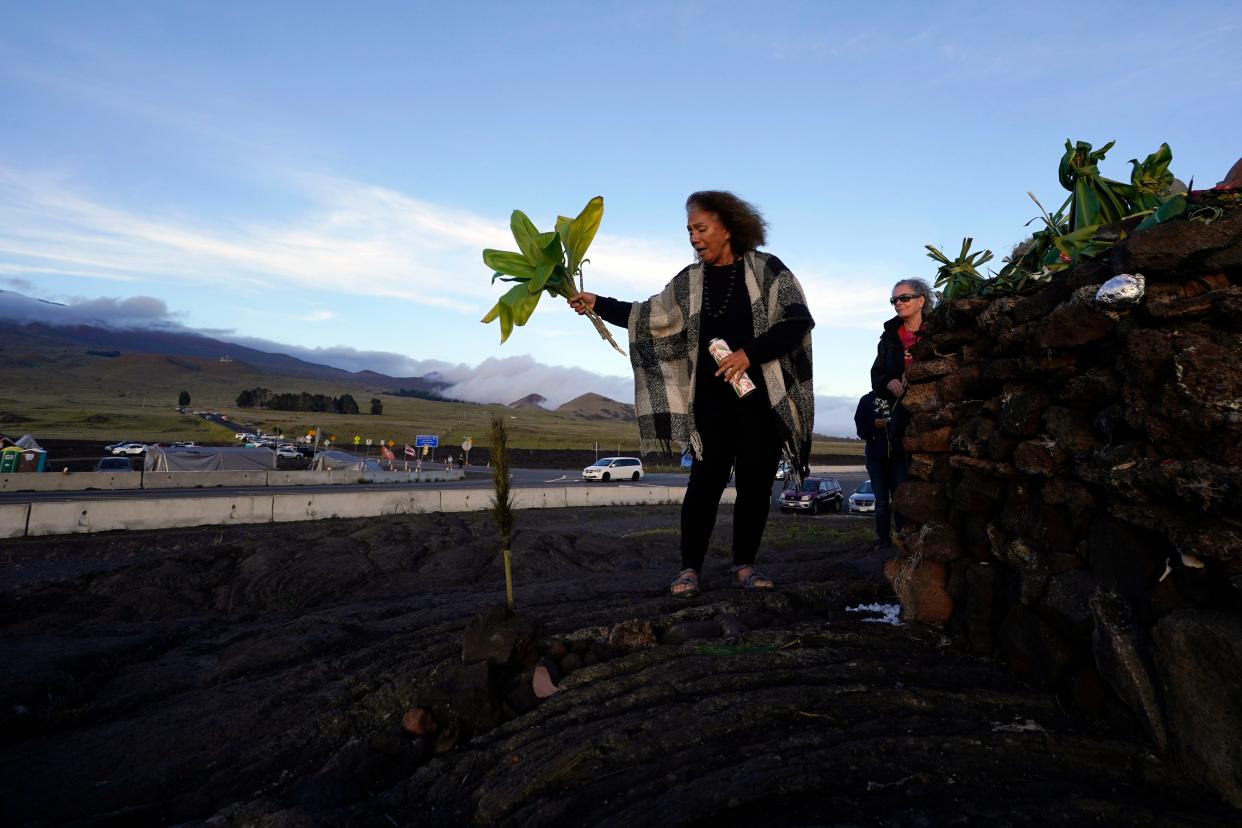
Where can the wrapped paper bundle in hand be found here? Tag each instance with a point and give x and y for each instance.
(720, 349)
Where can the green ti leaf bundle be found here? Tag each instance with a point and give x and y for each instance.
(543, 263)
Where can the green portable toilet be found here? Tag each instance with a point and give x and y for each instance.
(9, 459)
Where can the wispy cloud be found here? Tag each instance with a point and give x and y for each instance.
(318, 316)
(349, 238)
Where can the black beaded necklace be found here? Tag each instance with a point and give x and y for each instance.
(729, 274)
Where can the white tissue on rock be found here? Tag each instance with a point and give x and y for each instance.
(1126, 289)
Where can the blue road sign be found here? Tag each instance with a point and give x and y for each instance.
(427, 440)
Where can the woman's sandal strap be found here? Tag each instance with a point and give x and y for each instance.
(688, 577)
(749, 581)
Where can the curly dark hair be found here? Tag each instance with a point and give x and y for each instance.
(746, 226)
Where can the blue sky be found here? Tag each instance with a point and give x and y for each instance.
(324, 176)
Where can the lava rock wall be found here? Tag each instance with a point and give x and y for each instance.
(1075, 502)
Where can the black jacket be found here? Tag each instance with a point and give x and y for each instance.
(881, 443)
(890, 364)
(890, 360)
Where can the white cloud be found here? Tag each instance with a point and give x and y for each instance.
(834, 416)
(349, 238)
(342, 356)
(505, 380)
(318, 316)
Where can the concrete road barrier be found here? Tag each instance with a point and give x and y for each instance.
(112, 481)
(629, 495)
(203, 480)
(73, 482)
(88, 516)
(84, 515)
(320, 505)
(465, 500)
(13, 519)
(547, 497)
(303, 478)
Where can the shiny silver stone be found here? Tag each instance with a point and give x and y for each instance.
(1126, 289)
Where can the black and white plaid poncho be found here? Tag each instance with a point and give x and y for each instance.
(664, 335)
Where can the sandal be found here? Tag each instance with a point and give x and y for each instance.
(755, 580)
(687, 583)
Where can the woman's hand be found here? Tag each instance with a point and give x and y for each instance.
(733, 365)
(896, 387)
(582, 303)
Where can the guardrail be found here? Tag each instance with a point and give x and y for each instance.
(85, 516)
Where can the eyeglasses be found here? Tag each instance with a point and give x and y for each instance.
(905, 297)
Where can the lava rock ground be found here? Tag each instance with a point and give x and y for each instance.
(259, 675)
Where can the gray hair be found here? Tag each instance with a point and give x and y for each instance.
(919, 288)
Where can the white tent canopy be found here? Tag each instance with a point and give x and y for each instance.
(204, 458)
(343, 461)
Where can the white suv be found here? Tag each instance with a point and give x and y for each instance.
(614, 468)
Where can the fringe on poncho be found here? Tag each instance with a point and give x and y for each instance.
(664, 336)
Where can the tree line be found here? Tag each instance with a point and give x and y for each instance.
(303, 401)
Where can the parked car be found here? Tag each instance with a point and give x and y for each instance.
(114, 464)
(817, 494)
(782, 471)
(130, 448)
(111, 448)
(183, 444)
(614, 468)
(289, 452)
(863, 498)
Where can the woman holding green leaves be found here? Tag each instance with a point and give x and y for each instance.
(737, 408)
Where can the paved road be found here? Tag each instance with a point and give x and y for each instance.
(522, 478)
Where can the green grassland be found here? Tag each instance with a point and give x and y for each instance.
(63, 392)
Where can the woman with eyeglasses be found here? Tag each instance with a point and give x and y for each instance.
(911, 297)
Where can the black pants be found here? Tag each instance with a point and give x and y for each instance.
(750, 443)
(886, 475)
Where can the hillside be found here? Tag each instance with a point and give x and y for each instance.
(598, 407)
(94, 384)
(105, 341)
(530, 401)
(90, 384)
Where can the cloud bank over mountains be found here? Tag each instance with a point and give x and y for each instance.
(108, 312)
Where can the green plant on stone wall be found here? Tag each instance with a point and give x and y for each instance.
(1151, 183)
(959, 277)
(1096, 200)
(1076, 231)
(545, 263)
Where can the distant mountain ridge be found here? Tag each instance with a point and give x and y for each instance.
(184, 344)
(133, 352)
